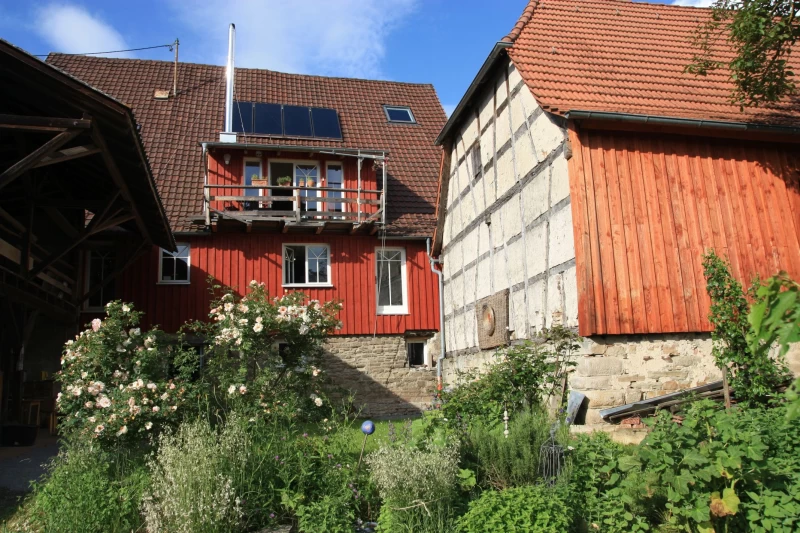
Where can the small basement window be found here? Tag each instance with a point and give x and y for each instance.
(400, 114)
(417, 353)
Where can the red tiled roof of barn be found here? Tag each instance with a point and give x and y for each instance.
(173, 129)
(628, 57)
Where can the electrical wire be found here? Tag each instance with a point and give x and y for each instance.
(170, 45)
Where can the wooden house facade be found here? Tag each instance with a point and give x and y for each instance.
(585, 175)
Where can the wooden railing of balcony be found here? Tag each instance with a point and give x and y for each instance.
(355, 205)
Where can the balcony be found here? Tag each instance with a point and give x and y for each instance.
(294, 208)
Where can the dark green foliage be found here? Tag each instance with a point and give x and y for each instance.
(502, 462)
(89, 489)
(523, 376)
(754, 374)
(531, 509)
(762, 33)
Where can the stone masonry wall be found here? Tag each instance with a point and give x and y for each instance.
(376, 371)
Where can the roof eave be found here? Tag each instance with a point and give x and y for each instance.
(656, 120)
(496, 53)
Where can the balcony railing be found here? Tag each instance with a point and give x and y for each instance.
(295, 204)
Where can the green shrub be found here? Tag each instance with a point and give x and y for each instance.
(418, 487)
(502, 462)
(89, 489)
(533, 509)
(523, 376)
(192, 488)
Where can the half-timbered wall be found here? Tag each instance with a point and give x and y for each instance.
(647, 207)
(508, 222)
(235, 259)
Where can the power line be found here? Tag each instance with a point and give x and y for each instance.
(170, 45)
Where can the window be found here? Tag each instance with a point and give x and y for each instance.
(306, 264)
(391, 281)
(335, 181)
(252, 171)
(174, 267)
(399, 114)
(98, 271)
(476, 160)
(417, 352)
(306, 176)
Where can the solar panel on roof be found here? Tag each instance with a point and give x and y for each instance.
(268, 119)
(242, 117)
(326, 123)
(296, 121)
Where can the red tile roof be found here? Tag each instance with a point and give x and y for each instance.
(173, 129)
(627, 57)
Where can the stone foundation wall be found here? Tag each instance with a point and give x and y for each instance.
(376, 371)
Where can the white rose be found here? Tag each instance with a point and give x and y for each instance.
(148, 425)
(156, 408)
(125, 309)
(122, 430)
(231, 389)
(242, 389)
(259, 327)
(318, 402)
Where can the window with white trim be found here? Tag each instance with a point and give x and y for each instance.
(390, 273)
(335, 180)
(306, 265)
(174, 267)
(417, 353)
(252, 171)
(99, 266)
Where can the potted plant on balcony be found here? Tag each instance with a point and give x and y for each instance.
(258, 181)
(283, 181)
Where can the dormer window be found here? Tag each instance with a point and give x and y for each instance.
(400, 114)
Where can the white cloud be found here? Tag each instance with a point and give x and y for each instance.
(449, 108)
(695, 3)
(332, 37)
(72, 29)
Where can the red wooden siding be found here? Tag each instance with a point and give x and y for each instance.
(646, 207)
(233, 173)
(235, 259)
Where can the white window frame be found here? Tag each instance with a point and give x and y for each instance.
(88, 276)
(386, 109)
(188, 280)
(392, 309)
(339, 164)
(260, 162)
(295, 162)
(329, 283)
(426, 356)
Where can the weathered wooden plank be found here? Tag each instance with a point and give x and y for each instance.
(33, 123)
(580, 231)
(30, 160)
(606, 253)
(618, 243)
(627, 209)
(591, 209)
(644, 237)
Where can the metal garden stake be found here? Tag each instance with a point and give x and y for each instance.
(367, 428)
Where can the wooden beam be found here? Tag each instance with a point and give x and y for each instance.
(321, 227)
(68, 154)
(88, 231)
(111, 165)
(31, 123)
(29, 161)
(61, 221)
(138, 251)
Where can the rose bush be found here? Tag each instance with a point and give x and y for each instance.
(119, 382)
(263, 353)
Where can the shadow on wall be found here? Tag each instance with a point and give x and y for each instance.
(376, 372)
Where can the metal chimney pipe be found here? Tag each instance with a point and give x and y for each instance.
(229, 80)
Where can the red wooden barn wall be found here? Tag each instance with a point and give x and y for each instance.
(235, 259)
(233, 173)
(646, 207)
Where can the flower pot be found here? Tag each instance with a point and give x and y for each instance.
(260, 183)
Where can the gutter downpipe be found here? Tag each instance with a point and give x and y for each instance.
(442, 352)
(675, 121)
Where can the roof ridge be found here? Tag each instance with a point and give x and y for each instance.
(190, 63)
(527, 13)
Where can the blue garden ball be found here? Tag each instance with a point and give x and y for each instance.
(368, 427)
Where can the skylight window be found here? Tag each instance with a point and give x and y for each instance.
(400, 114)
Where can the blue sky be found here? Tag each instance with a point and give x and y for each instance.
(442, 42)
